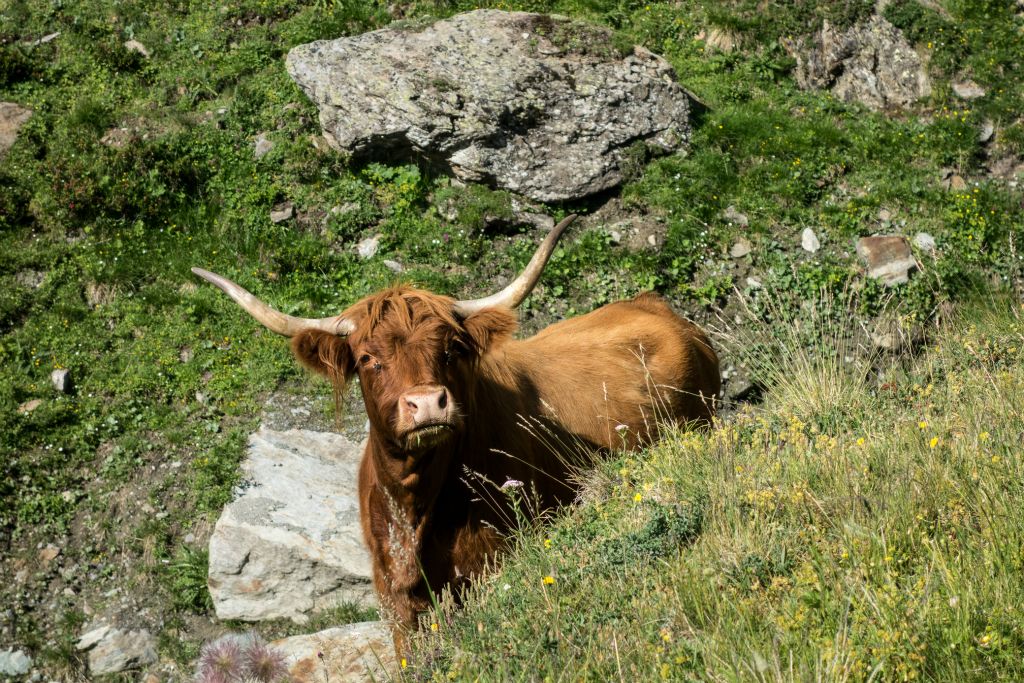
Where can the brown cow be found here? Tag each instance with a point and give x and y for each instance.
(459, 408)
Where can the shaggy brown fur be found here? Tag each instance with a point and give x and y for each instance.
(431, 515)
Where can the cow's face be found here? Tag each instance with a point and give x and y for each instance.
(415, 359)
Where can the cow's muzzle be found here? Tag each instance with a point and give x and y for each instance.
(426, 416)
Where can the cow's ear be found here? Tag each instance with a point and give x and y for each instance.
(490, 327)
(325, 353)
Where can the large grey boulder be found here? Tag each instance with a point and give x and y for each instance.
(291, 542)
(540, 105)
(871, 63)
(348, 654)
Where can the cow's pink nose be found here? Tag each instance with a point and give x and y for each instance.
(424, 405)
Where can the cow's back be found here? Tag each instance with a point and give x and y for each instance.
(611, 376)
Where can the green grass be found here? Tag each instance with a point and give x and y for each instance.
(872, 533)
(96, 240)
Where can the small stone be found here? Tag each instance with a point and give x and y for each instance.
(201, 397)
(28, 406)
(90, 638)
(62, 381)
(12, 118)
(14, 662)
(282, 212)
(48, 554)
(968, 90)
(346, 208)
(652, 240)
(120, 651)
(924, 242)
(48, 38)
(136, 46)
(754, 283)
(615, 237)
(956, 183)
(721, 40)
(186, 354)
(809, 241)
(888, 258)
(394, 266)
(740, 249)
(262, 146)
(988, 129)
(368, 247)
(884, 215)
(190, 538)
(735, 217)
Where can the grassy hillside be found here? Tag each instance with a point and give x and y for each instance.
(852, 533)
(134, 168)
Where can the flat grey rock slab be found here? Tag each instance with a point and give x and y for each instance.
(540, 105)
(348, 654)
(291, 542)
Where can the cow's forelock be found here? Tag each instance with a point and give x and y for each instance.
(408, 339)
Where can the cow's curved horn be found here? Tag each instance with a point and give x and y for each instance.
(519, 288)
(275, 321)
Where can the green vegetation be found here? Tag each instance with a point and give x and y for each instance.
(854, 532)
(135, 168)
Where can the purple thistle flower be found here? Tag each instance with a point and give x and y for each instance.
(263, 662)
(220, 662)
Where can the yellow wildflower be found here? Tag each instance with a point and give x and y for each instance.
(548, 580)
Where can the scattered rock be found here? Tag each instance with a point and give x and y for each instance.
(888, 258)
(262, 146)
(12, 118)
(871, 63)
(735, 217)
(540, 105)
(924, 242)
(186, 354)
(754, 283)
(367, 248)
(118, 137)
(988, 129)
(884, 215)
(968, 90)
(282, 212)
(62, 380)
(890, 333)
(394, 266)
(135, 46)
(956, 183)
(809, 241)
(31, 279)
(721, 40)
(14, 662)
(48, 38)
(291, 543)
(29, 406)
(97, 294)
(112, 650)
(48, 554)
(351, 653)
(91, 637)
(741, 248)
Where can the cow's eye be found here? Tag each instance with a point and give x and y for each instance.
(454, 351)
(364, 359)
